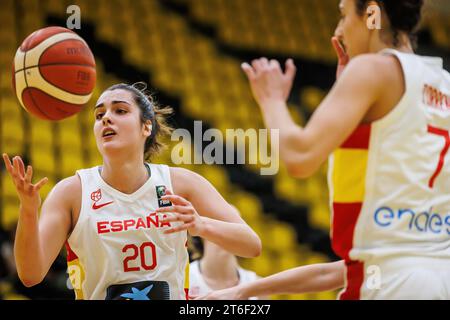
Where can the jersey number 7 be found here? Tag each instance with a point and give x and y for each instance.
(445, 134)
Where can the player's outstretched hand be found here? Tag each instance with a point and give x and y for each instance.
(268, 82)
(28, 193)
(343, 57)
(183, 211)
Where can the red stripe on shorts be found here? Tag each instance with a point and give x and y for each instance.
(355, 279)
(345, 216)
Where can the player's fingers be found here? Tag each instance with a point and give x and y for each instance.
(264, 62)
(16, 168)
(291, 69)
(340, 52)
(21, 167)
(40, 184)
(248, 70)
(176, 209)
(256, 64)
(177, 217)
(175, 199)
(28, 174)
(7, 162)
(179, 228)
(274, 64)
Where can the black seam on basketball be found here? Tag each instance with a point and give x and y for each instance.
(31, 96)
(57, 64)
(26, 87)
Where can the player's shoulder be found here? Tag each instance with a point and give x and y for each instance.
(375, 63)
(376, 70)
(68, 188)
(183, 175)
(183, 180)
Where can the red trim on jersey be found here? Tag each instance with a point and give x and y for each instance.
(355, 279)
(359, 139)
(186, 292)
(345, 216)
(70, 254)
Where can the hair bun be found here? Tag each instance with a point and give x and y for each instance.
(404, 15)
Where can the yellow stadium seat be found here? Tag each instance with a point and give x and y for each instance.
(10, 214)
(43, 159)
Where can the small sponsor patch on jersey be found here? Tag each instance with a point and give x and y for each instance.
(160, 191)
(144, 290)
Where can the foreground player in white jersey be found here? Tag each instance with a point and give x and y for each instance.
(385, 125)
(124, 223)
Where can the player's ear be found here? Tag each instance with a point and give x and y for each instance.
(148, 128)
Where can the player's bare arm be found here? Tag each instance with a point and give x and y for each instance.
(207, 214)
(39, 239)
(356, 96)
(304, 279)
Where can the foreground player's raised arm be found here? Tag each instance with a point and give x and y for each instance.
(303, 150)
(207, 214)
(304, 279)
(38, 240)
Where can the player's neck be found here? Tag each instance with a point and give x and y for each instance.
(125, 176)
(403, 45)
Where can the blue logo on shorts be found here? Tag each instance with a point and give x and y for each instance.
(137, 294)
(426, 221)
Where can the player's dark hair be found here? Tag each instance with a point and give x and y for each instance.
(195, 248)
(150, 110)
(404, 16)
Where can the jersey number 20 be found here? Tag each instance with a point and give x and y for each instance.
(145, 251)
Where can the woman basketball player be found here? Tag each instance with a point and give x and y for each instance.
(124, 223)
(385, 125)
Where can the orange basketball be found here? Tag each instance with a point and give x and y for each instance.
(53, 73)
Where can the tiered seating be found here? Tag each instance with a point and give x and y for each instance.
(288, 27)
(214, 91)
(212, 88)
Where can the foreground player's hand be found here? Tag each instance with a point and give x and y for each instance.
(28, 193)
(268, 82)
(343, 57)
(183, 211)
(224, 294)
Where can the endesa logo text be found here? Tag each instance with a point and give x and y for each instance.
(425, 221)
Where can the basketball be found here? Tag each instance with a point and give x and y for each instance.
(53, 73)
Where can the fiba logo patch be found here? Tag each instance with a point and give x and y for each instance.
(160, 191)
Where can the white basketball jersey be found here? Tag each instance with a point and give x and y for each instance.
(390, 181)
(198, 286)
(118, 250)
